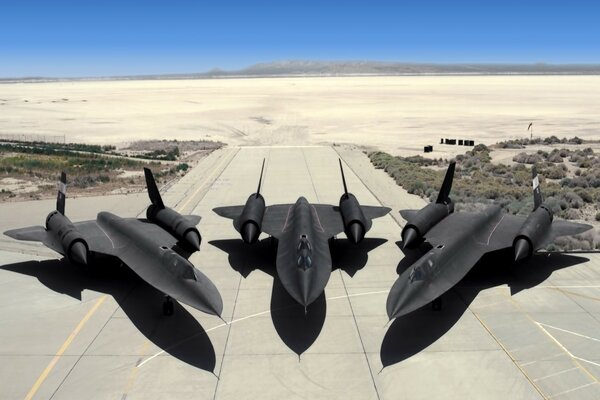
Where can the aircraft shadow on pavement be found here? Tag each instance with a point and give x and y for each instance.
(296, 328)
(245, 258)
(180, 335)
(350, 257)
(414, 332)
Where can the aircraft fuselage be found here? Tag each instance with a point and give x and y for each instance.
(303, 256)
(162, 267)
(440, 268)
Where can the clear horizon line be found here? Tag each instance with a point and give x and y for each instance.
(592, 69)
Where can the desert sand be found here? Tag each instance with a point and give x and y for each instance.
(396, 114)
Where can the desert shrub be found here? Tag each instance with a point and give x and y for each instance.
(573, 199)
(585, 195)
(555, 157)
(564, 153)
(525, 158)
(182, 167)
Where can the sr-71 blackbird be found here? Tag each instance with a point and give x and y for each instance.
(459, 240)
(302, 231)
(155, 248)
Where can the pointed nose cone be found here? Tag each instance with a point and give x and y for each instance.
(410, 237)
(305, 287)
(215, 306)
(356, 233)
(395, 302)
(522, 249)
(407, 296)
(250, 233)
(192, 238)
(202, 294)
(78, 253)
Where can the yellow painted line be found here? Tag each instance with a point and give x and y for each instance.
(201, 186)
(63, 348)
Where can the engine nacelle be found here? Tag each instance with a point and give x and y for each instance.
(176, 224)
(72, 242)
(532, 232)
(355, 223)
(423, 220)
(249, 223)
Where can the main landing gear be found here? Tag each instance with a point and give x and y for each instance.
(168, 306)
(436, 305)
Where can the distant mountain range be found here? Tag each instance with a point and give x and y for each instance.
(400, 68)
(343, 68)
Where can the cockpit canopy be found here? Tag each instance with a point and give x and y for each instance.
(423, 268)
(304, 251)
(177, 265)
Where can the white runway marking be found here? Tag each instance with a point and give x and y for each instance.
(555, 374)
(559, 344)
(248, 317)
(572, 390)
(571, 332)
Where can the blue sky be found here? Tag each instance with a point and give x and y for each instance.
(98, 38)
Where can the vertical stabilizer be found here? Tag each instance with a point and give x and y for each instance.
(153, 192)
(343, 177)
(537, 193)
(260, 179)
(444, 194)
(62, 193)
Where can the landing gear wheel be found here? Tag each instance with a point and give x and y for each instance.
(168, 306)
(436, 305)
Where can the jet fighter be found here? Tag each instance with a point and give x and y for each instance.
(457, 241)
(302, 231)
(156, 248)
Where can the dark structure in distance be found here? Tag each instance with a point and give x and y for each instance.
(155, 248)
(456, 241)
(303, 231)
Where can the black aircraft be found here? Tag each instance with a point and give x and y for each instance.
(456, 241)
(303, 231)
(155, 248)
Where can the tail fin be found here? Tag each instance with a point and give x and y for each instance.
(260, 179)
(153, 192)
(62, 193)
(343, 177)
(444, 194)
(537, 193)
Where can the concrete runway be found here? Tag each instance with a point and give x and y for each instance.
(526, 332)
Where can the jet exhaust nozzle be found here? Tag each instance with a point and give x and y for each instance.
(250, 233)
(78, 253)
(410, 237)
(522, 249)
(193, 240)
(356, 232)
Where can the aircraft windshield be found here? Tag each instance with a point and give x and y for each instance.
(304, 251)
(177, 265)
(422, 269)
